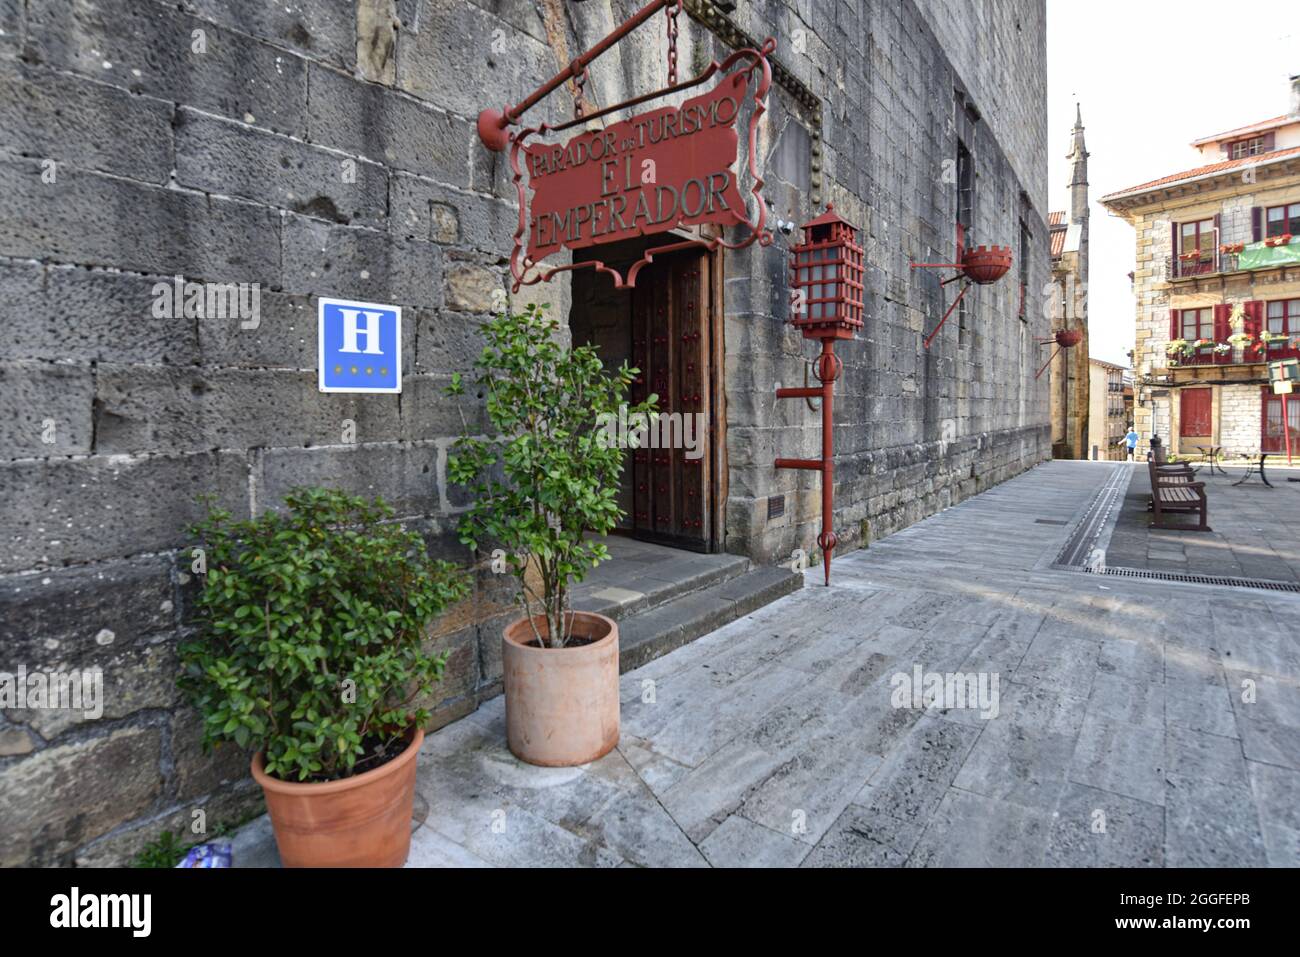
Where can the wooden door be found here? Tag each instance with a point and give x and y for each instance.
(1194, 416)
(671, 479)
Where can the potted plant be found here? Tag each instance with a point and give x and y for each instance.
(310, 649)
(540, 487)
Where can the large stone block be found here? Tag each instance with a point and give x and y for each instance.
(284, 336)
(228, 157)
(360, 264)
(143, 409)
(63, 510)
(197, 770)
(487, 54)
(44, 409)
(153, 49)
(472, 287)
(57, 799)
(423, 209)
(372, 121)
(429, 414)
(61, 616)
(69, 313)
(447, 342)
(318, 29)
(404, 475)
(71, 120)
(220, 811)
(91, 220)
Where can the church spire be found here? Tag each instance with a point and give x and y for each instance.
(1078, 157)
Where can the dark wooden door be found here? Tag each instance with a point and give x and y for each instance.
(671, 483)
(1194, 420)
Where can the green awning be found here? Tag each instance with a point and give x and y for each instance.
(1259, 256)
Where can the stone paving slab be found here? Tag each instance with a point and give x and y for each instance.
(1138, 723)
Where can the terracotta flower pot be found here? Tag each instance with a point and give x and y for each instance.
(361, 821)
(561, 703)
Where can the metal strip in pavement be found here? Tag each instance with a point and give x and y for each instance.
(1092, 525)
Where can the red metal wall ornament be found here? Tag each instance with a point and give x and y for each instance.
(982, 266)
(827, 304)
(1065, 339)
(645, 175)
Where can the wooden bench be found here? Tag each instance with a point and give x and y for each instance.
(1174, 491)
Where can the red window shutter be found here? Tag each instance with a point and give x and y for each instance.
(1222, 322)
(1173, 325)
(1173, 240)
(1254, 323)
(1256, 224)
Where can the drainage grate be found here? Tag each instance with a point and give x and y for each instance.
(1197, 579)
(1049, 521)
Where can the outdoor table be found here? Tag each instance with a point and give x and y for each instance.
(1210, 453)
(1252, 468)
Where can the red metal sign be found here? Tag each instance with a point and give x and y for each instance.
(642, 176)
(645, 175)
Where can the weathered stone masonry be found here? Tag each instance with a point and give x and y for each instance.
(327, 147)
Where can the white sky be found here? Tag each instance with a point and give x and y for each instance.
(1153, 75)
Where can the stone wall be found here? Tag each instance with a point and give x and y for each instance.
(327, 147)
(1239, 419)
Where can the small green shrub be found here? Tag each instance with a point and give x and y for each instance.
(549, 476)
(311, 634)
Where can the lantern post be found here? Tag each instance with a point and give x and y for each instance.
(826, 276)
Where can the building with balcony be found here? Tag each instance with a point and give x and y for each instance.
(1068, 230)
(1107, 411)
(1217, 288)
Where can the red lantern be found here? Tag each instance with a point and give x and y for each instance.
(826, 275)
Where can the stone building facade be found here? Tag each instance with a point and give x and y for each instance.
(1069, 370)
(1107, 411)
(1217, 288)
(324, 147)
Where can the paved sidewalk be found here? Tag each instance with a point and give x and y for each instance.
(1121, 738)
(1256, 528)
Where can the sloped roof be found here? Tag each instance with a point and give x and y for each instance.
(1059, 227)
(1207, 171)
(1240, 131)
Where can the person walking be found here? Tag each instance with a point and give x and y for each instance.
(1131, 441)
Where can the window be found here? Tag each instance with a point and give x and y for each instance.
(1196, 324)
(1284, 317)
(1283, 220)
(1243, 148)
(1198, 238)
(1024, 269)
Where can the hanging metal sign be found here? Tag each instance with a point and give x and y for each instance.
(645, 175)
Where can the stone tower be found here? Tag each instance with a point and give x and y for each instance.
(1078, 157)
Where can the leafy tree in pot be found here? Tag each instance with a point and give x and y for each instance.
(550, 476)
(311, 642)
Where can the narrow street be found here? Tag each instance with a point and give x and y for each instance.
(1121, 735)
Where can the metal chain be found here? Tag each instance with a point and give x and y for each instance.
(672, 9)
(579, 84)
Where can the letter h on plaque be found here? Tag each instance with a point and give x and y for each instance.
(359, 346)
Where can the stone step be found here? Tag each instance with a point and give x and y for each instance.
(650, 634)
(625, 587)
